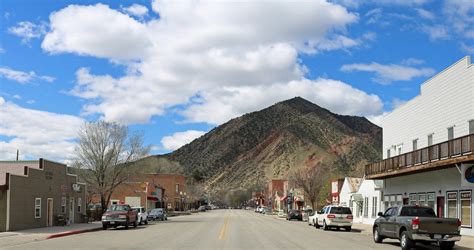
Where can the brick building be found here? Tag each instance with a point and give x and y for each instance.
(152, 191)
(276, 193)
(34, 193)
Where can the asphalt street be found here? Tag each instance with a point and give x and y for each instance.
(218, 229)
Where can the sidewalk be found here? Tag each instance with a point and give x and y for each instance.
(44, 233)
(466, 241)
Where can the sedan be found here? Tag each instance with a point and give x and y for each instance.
(294, 214)
(157, 214)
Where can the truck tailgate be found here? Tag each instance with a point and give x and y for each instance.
(438, 225)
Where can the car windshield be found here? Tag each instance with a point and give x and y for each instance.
(340, 210)
(417, 211)
(118, 208)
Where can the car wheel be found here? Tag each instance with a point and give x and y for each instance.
(377, 237)
(316, 224)
(446, 245)
(146, 222)
(166, 218)
(325, 227)
(104, 226)
(139, 220)
(348, 229)
(127, 224)
(135, 224)
(405, 242)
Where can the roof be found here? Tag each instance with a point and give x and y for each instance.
(354, 183)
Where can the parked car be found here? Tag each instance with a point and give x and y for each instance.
(142, 215)
(335, 217)
(294, 215)
(119, 215)
(257, 209)
(202, 209)
(266, 210)
(157, 214)
(412, 224)
(306, 213)
(312, 218)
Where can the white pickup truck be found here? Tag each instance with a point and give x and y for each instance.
(142, 215)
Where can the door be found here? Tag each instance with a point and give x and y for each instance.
(440, 206)
(71, 210)
(391, 222)
(49, 212)
(383, 223)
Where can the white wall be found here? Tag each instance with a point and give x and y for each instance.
(367, 189)
(433, 181)
(446, 100)
(345, 193)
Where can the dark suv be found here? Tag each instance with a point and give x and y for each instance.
(294, 215)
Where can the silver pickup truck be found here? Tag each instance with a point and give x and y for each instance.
(412, 224)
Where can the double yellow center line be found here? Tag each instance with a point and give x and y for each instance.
(223, 231)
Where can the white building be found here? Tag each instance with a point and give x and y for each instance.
(363, 197)
(428, 147)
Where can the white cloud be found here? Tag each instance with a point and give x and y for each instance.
(466, 48)
(436, 32)
(23, 77)
(136, 10)
(179, 139)
(34, 137)
(385, 74)
(460, 16)
(202, 48)
(18, 97)
(396, 103)
(2, 50)
(218, 106)
(96, 30)
(28, 30)
(425, 14)
(412, 61)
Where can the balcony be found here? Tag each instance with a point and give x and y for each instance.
(436, 156)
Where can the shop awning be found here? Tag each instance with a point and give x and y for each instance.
(283, 198)
(153, 198)
(299, 198)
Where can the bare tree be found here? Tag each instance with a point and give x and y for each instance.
(311, 180)
(104, 154)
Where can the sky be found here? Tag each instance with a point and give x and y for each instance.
(173, 70)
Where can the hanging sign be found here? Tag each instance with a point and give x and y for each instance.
(467, 175)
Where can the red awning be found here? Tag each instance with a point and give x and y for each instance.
(284, 198)
(152, 198)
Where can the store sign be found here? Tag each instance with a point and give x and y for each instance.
(334, 188)
(467, 175)
(452, 196)
(466, 195)
(76, 187)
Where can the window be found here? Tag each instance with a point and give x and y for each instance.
(388, 153)
(177, 188)
(430, 139)
(79, 204)
(452, 204)
(63, 205)
(422, 199)
(399, 150)
(431, 200)
(374, 206)
(415, 144)
(471, 127)
(386, 200)
(450, 133)
(37, 207)
(399, 200)
(413, 200)
(366, 207)
(466, 208)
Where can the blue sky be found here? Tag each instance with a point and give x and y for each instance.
(176, 69)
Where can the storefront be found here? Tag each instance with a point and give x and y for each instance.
(441, 190)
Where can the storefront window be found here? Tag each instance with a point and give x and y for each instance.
(422, 199)
(466, 209)
(374, 206)
(413, 199)
(366, 207)
(79, 204)
(431, 200)
(386, 200)
(452, 204)
(399, 200)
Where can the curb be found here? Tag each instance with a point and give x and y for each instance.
(67, 233)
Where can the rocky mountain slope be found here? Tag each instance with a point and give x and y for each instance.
(267, 144)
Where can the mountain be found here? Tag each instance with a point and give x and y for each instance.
(266, 144)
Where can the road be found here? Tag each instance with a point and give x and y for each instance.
(218, 229)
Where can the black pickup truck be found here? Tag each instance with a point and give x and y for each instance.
(412, 224)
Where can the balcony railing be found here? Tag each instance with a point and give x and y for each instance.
(449, 149)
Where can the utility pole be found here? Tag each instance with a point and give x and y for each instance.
(17, 154)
